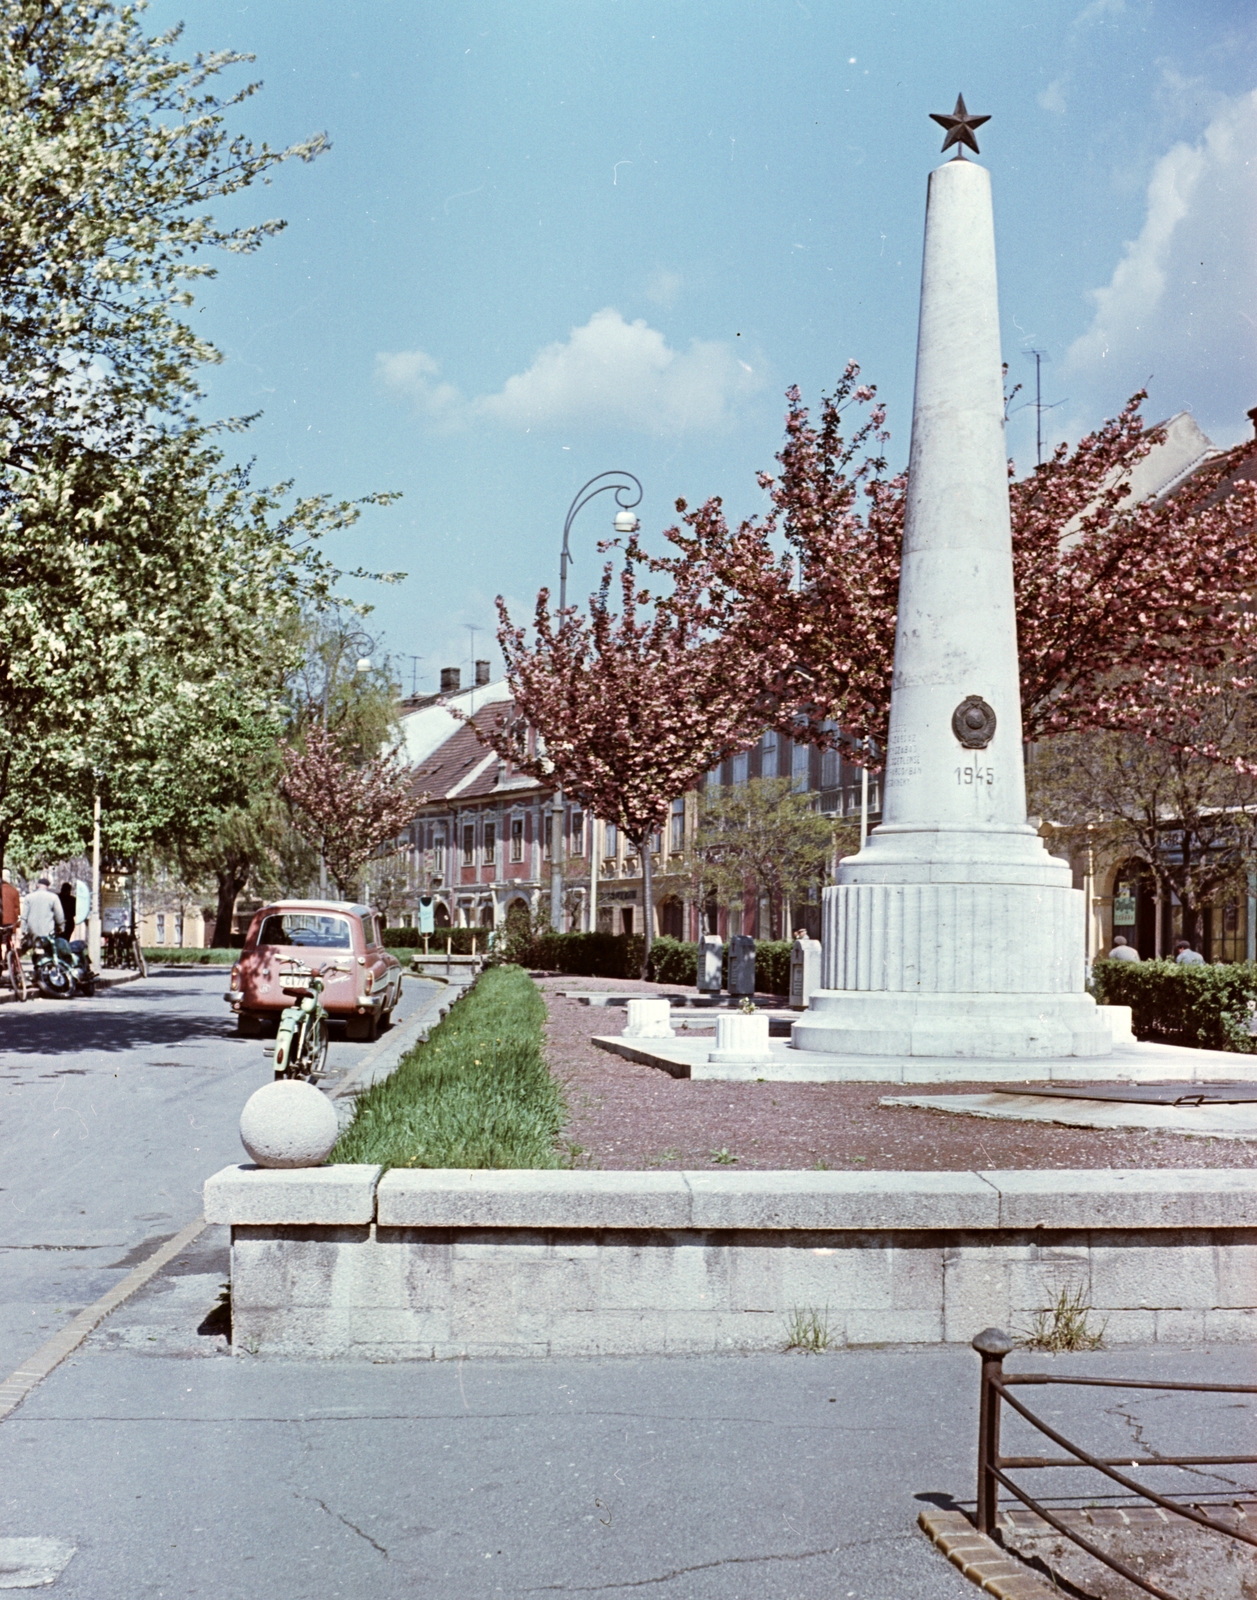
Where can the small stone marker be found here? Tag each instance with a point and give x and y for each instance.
(710, 957)
(649, 1019)
(741, 964)
(741, 1038)
(805, 971)
(288, 1124)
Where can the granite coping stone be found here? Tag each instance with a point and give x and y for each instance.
(1020, 1200)
(1135, 1198)
(470, 1198)
(245, 1194)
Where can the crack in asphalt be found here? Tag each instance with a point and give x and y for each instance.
(1148, 1448)
(323, 1506)
(710, 1566)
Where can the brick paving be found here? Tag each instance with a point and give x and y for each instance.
(627, 1116)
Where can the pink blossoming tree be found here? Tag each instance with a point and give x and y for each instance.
(343, 809)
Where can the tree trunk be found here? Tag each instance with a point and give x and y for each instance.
(648, 896)
(232, 876)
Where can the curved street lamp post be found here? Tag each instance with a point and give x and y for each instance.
(625, 523)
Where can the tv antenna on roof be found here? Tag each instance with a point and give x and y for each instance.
(1040, 356)
(414, 675)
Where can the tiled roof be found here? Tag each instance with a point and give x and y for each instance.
(465, 769)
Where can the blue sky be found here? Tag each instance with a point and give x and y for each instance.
(562, 236)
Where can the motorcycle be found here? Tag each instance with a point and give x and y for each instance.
(302, 1040)
(62, 970)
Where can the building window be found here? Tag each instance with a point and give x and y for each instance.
(179, 929)
(490, 843)
(469, 845)
(830, 761)
(677, 843)
(738, 768)
(517, 838)
(408, 920)
(547, 825)
(800, 763)
(610, 841)
(656, 842)
(578, 833)
(768, 757)
(438, 855)
(161, 928)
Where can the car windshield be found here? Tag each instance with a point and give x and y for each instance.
(306, 929)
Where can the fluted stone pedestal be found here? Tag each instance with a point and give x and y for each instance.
(953, 932)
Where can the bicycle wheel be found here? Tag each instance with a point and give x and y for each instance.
(17, 973)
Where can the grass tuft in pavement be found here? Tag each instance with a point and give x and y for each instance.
(476, 1093)
(1065, 1326)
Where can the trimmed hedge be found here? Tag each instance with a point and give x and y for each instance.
(1206, 1007)
(619, 955)
(459, 939)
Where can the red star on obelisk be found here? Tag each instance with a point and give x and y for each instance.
(960, 127)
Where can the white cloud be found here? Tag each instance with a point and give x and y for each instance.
(414, 374)
(1053, 97)
(1182, 302)
(608, 373)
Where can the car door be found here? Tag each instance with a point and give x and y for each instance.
(377, 960)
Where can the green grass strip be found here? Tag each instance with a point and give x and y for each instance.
(476, 1093)
(187, 956)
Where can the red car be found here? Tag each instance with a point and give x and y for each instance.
(363, 982)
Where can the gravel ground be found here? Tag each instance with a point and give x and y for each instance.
(627, 1116)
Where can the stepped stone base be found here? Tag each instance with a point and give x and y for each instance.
(1030, 1027)
(976, 970)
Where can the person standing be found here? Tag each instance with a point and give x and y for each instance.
(10, 901)
(43, 915)
(1186, 956)
(66, 896)
(1121, 951)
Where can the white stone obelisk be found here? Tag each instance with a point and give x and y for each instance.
(953, 932)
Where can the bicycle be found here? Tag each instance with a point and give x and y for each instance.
(122, 949)
(302, 1040)
(10, 935)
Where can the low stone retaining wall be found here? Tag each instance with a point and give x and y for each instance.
(339, 1261)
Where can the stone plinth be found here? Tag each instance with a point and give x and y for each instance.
(741, 1037)
(649, 1019)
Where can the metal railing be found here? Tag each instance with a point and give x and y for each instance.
(993, 1468)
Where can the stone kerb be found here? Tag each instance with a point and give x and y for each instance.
(338, 1261)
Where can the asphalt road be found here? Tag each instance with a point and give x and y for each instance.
(112, 1113)
(154, 1463)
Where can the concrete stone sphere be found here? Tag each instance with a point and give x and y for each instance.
(288, 1124)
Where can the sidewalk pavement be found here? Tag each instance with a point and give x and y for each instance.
(172, 1467)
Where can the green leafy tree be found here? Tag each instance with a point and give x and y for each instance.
(111, 150)
(760, 835)
(1191, 817)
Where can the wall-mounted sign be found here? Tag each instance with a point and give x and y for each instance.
(1124, 907)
